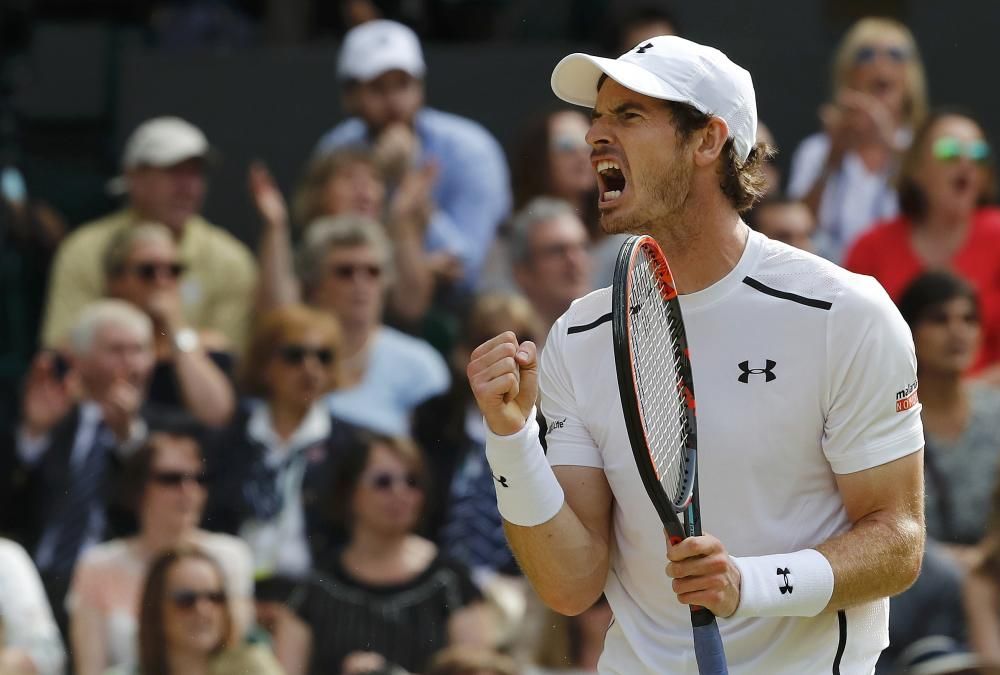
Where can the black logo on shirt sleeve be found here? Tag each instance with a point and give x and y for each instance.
(642, 49)
(501, 479)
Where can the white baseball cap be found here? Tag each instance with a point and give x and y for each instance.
(161, 142)
(378, 46)
(673, 69)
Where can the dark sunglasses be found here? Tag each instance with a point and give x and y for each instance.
(868, 54)
(295, 355)
(187, 599)
(385, 480)
(948, 149)
(347, 271)
(150, 271)
(177, 478)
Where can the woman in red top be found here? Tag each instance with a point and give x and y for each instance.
(946, 179)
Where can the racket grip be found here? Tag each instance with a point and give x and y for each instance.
(708, 649)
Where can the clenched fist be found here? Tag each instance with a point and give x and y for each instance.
(503, 374)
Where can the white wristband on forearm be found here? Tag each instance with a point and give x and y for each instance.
(527, 491)
(785, 584)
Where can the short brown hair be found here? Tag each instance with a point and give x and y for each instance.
(353, 460)
(912, 200)
(277, 326)
(152, 636)
(139, 466)
(743, 182)
(307, 204)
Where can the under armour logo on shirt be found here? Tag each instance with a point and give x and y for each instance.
(766, 371)
(787, 587)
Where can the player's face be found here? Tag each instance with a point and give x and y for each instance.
(644, 171)
(947, 338)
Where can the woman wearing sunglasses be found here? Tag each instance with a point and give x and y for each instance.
(272, 466)
(947, 179)
(164, 482)
(844, 172)
(388, 600)
(186, 624)
(142, 266)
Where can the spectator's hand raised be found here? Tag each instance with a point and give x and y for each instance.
(396, 151)
(47, 396)
(412, 205)
(267, 198)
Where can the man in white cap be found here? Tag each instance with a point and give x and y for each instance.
(381, 69)
(810, 442)
(164, 179)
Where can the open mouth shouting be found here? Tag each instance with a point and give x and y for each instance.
(611, 180)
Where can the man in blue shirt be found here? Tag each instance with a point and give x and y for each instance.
(381, 69)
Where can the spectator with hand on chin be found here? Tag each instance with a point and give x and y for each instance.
(381, 68)
(142, 266)
(68, 442)
(164, 166)
(880, 97)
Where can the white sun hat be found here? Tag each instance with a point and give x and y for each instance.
(673, 69)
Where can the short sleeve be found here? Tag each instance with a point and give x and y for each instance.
(567, 438)
(873, 416)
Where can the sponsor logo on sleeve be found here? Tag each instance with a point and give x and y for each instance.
(906, 398)
(556, 424)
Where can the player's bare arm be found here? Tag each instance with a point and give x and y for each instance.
(880, 555)
(566, 558)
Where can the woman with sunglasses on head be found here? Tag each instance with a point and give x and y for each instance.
(844, 172)
(164, 483)
(947, 179)
(142, 265)
(272, 466)
(187, 625)
(388, 600)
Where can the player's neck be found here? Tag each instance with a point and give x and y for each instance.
(708, 245)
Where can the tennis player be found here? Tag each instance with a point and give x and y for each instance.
(810, 442)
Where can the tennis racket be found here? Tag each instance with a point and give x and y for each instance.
(657, 395)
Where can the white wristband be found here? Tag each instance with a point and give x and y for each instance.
(528, 493)
(785, 584)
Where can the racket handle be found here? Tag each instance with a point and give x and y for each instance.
(708, 649)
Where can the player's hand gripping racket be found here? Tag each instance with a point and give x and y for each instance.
(657, 393)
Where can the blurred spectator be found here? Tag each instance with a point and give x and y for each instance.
(550, 258)
(879, 98)
(552, 159)
(961, 420)
(29, 638)
(164, 178)
(347, 181)
(785, 220)
(772, 174)
(345, 268)
(637, 22)
(186, 622)
(465, 517)
(464, 660)
(381, 68)
(981, 593)
(142, 266)
(66, 444)
(389, 599)
(163, 483)
(940, 655)
(273, 466)
(30, 231)
(946, 178)
(572, 644)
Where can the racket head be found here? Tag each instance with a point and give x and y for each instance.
(654, 376)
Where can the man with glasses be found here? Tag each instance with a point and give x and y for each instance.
(164, 181)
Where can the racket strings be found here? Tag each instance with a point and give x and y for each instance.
(657, 361)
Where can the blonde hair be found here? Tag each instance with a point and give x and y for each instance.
(344, 231)
(871, 29)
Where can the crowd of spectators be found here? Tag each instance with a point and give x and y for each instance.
(234, 461)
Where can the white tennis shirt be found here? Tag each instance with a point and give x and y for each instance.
(802, 370)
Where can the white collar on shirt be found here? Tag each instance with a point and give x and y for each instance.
(315, 426)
